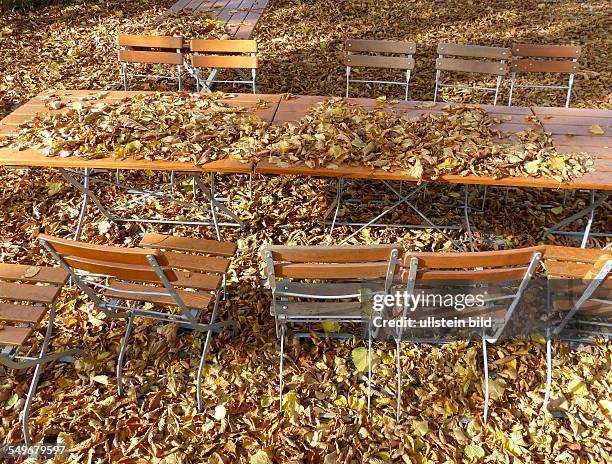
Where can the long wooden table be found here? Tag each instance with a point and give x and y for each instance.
(573, 130)
(239, 16)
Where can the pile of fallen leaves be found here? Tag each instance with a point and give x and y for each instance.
(301, 45)
(187, 23)
(179, 127)
(458, 140)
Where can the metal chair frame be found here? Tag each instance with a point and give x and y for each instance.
(10, 358)
(411, 272)
(601, 274)
(516, 53)
(349, 53)
(484, 54)
(124, 69)
(188, 317)
(278, 307)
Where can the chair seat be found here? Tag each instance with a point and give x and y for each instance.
(137, 292)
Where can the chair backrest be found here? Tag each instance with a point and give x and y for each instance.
(136, 264)
(150, 49)
(330, 263)
(359, 54)
(480, 268)
(468, 58)
(229, 54)
(527, 58)
(570, 262)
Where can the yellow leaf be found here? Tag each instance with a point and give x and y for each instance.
(261, 457)
(291, 404)
(340, 401)
(532, 167)
(31, 272)
(220, 412)
(577, 387)
(557, 210)
(474, 451)
(497, 387)
(330, 327)
(596, 129)
(357, 404)
(360, 358)
(420, 428)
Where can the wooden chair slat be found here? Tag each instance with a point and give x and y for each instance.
(318, 308)
(330, 254)
(547, 51)
(380, 46)
(138, 56)
(516, 257)
(486, 275)
(327, 288)
(391, 62)
(474, 51)
(471, 66)
(585, 255)
(150, 41)
(332, 271)
(191, 299)
(14, 336)
(197, 281)
(226, 62)
(26, 292)
(21, 313)
(111, 254)
(194, 245)
(197, 263)
(25, 273)
(549, 66)
(567, 269)
(589, 308)
(223, 46)
(119, 270)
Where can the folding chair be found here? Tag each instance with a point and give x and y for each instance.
(110, 275)
(504, 275)
(474, 65)
(529, 59)
(224, 54)
(148, 49)
(580, 295)
(341, 273)
(363, 60)
(19, 321)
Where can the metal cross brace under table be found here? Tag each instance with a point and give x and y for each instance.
(402, 198)
(88, 178)
(587, 210)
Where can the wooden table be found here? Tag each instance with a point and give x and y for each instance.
(80, 172)
(239, 16)
(572, 130)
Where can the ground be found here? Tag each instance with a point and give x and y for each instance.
(441, 421)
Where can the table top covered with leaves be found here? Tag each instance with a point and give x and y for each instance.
(311, 135)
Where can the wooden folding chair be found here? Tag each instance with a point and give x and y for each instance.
(503, 274)
(182, 284)
(452, 57)
(579, 295)
(237, 55)
(28, 293)
(340, 273)
(149, 49)
(528, 58)
(357, 56)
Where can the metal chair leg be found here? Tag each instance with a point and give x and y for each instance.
(399, 379)
(369, 370)
(28, 404)
(124, 343)
(486, 372)
(549, 368)
(281, 366)
(205, 352)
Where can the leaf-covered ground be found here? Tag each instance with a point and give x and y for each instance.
(443, 390)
